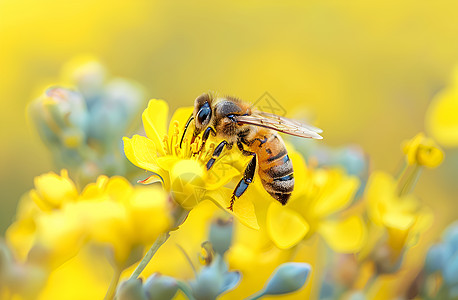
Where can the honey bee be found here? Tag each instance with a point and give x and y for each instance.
(255, 134)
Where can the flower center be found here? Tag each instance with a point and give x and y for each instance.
(187, 150)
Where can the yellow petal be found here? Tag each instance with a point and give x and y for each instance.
(338, 195)
(243, 208)
(220, 175)
(106, 221)
(398, 220)
(141, 151)
(119, 189)
(148, 214)
(61, 233)
(167, 162)
(155, 122)
(300, 172)
(430, 156)
(441, 119)
(187, 182)
(151, 179)
(423, 151)
(181, 115)
(380, 192)
(345, 236)
(95, 189)
(61, 282)
(245, 212)
(52, 190)
(285, 226)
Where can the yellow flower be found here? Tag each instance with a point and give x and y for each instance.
(109, 212)
(401, 218)
(423, 151)
(89, 271)
(181, 170)
(441, 118)
(52, 191)
(123, 216)
(315, 205)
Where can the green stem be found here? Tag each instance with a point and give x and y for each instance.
(113, 284)
(161, 239)
(370, 282)
(411, 181)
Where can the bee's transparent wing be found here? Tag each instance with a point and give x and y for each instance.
(286, 120)
(280, 124)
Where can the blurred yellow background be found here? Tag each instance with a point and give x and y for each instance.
(366, 70)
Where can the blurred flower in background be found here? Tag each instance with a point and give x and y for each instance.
(441, 118)
(369, 74)
(83, 125)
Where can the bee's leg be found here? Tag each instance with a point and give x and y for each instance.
(205, 137)
(244, 152)
(217, 153)
(246, 180)
(261, 141)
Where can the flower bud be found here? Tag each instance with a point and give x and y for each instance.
(423, 151)
(131, 290)
(88, 74)
(451, 237)
(52, 190)
(450, 272)
(158, 287)
(111, 115)
(207, 283)
(221, 235)
(437, 257)
(60, 116)
(287, 278)
(214, 280)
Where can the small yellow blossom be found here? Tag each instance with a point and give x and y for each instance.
(110, 212)
(423, 151)
(441, 118)
(123, 216)
(400, 218)
(319, 197)
(181, 167)
(52, 191)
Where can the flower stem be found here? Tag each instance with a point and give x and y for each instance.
(161, 239)
(411, 181)
(113, 284)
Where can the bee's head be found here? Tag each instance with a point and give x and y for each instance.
(202, 112)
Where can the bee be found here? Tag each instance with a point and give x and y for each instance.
(255, 133)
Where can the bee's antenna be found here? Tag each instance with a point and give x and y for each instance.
(185, 128)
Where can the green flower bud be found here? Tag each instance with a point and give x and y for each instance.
(131, 290)
(214, 280)
(450, 271)
(287, 278)
(61, 118)
(207, 284)
(437, 257)
(158, 287)
(221, 235)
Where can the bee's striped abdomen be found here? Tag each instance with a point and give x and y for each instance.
(275, 167)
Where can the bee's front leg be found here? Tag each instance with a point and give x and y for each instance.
(205, 137)
(217, 153)
(248, 176)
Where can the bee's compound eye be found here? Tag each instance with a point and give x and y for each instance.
(204, 113)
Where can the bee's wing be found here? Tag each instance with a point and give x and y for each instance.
(286, 120)
(280, 124)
